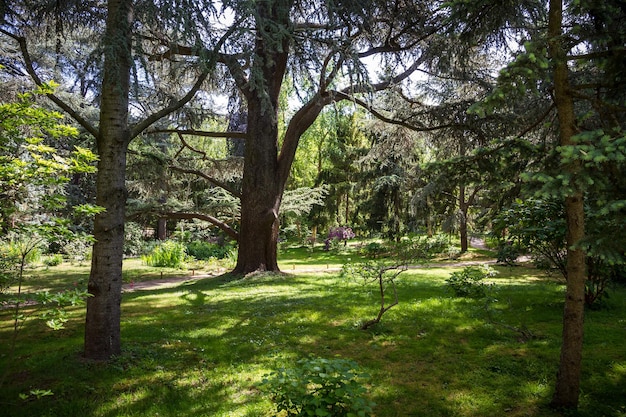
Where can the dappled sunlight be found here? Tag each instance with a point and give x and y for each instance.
(202, 347)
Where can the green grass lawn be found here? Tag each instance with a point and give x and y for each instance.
(202, 348)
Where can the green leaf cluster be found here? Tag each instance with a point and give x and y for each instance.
(469, 282)
(33, 174)
(168, 254)
(320, 387)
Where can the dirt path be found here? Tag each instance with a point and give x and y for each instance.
(172, 282)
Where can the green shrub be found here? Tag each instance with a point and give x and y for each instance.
(53, 260)
(79, 249)
(8, 270)
(319, 387)
(373, 249)
(203, 250)
(169, 254)
(468, 282)
(135, 243)
(508, 253)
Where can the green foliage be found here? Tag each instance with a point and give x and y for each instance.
(36, 394)
(320, 387)
(16, 247)
(383, 271)
(170, 254)
(535, 225)
(134, 242)
(78, 249)
(53, 260)
(373, 249)
(508, 252)
(521, 77)
(469, 281)
(203, 250)
(8, 268)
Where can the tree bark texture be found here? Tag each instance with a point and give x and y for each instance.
(262, 188)
(567, 388)
(102, 325)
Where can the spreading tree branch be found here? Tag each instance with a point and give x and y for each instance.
(205, 217)
(148, 121)
(223, 185)
(30, 69)
(193, 132)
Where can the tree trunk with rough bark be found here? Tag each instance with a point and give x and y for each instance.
(567, 388)
(263, 185)
(261, 195)
(102, 325)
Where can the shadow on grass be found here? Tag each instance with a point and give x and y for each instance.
(200, 349)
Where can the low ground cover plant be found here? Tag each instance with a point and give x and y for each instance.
(320, 387)
(470, 282)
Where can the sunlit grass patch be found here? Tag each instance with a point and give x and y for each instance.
(201, 348)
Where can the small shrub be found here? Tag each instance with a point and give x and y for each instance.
(507, 253)
(203, 250)
(168, 254)
(319, 387)
(78, 249)
(440, 243)
(336, 235)
(53, 260)
(373, 249)
(468, 282)
(8, 270)
(134, 240)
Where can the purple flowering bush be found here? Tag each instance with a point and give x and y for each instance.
(338, 234)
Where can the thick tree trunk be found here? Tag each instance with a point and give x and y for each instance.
(261, 195)
(263, 180)
(568, 378)
(161, 228)
(102, 325)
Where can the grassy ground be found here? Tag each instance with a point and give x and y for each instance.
(202, 348)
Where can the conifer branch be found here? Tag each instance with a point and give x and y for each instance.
(30, 69)
(217, 183)
(148, 121)
(205, 217)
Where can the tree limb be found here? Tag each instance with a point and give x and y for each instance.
(205, 217)
(223, 185)
(144, 124)
(28, 62)
(193, 132)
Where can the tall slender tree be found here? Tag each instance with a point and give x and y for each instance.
(112, 130)
(574, 57)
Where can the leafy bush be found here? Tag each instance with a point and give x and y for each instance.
(439, 243)
(169, 254)
(53, 260)
(468, 282)
(336, 235)
(508, 253)
(373, 249)
(79, 248)
(12, 250)
(319, 387)
(203, 250)
(135, 243)
(8, 270)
